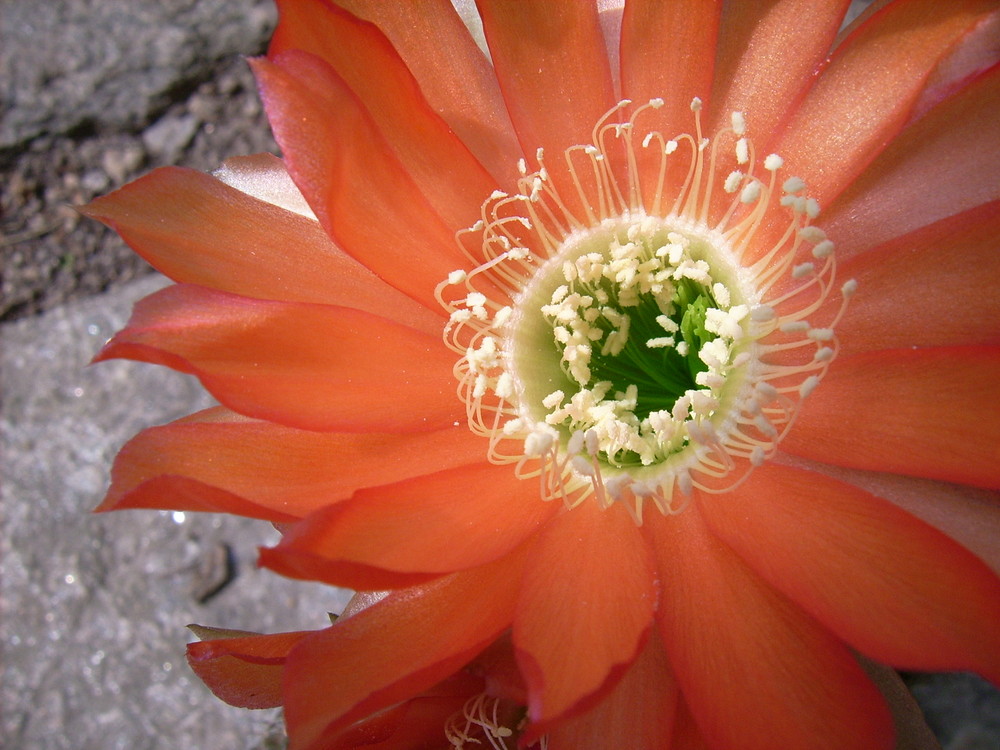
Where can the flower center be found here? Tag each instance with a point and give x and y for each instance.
(636, 336)
(645, 336)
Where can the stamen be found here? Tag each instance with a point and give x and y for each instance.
(632, 354)
(479, 723)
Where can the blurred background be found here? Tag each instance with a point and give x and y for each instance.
(93, 608)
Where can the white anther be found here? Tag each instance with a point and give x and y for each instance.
(849, 288)
(659, 343)
(766, 392)
(762, 314)
(502, 316)
(812, 208)
(757, 456)
(761, 423)
(793, 185)
(751, 192)
(553, 399)
(733, 181)
(823, 354)
(539, 441)
(669, 147)
(739, 121)
(803, 269)
(479, 389)
(821, 334)
(695, 104)
(656, 102)
(667, 324)
(522, 167)
(536, 190)
(808, 386)
(457, 277)
(505, 386)
(823, 250)
(773, 162)
(513, 426)
(721, 293)
(812, 234)
(615, 486)
(742, 151)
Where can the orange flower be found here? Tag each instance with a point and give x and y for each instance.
(643, 517)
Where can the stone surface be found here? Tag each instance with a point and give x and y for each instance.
(187, 99)
(963, 710)
(95, 606)
(95, 65)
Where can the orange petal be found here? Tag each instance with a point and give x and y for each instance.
(908, 288)
(309, 366)
(395, 649)
(968, 515)
(756, 672)
(218, 461)
(584, 611)
(640, 707)
(943, 164)
(441, 166)
(198, 230)
(456, 77)
(891, 586)
(243, 669)
(768, 53)
(923, 412)
(869, 90)
(396, 534)
(653, 69)
(360, 192)
(416, 723)
(553, 70)
(687, 736)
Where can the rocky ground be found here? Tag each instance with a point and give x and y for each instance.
(94, 93)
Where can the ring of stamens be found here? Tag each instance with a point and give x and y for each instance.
(622, 345)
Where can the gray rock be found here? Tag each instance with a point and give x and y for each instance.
(167, 137)
(962, 709)
(48, 254)
(109, 64)
(95, 606)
